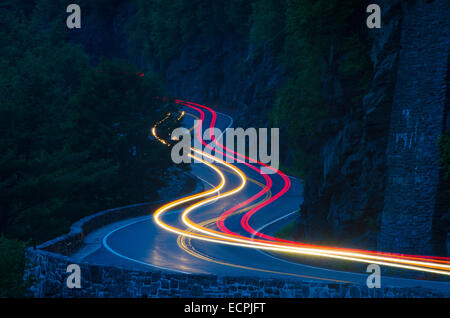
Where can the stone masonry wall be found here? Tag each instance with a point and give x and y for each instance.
(47, 267)
(107, 281)
(69, 243)
(417, 121)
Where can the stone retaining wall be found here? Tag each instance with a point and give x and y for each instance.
(109, 281)
(69, 243)
(48, 267)
(409, 222)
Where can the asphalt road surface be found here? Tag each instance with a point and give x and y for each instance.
(141, 244)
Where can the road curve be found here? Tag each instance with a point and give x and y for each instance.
(141, 244)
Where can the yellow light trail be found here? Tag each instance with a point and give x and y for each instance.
(212, 236)
(188, 248)
(153, 130)
(218, 237)
(156, 125)
(185, 244)
(348, 255)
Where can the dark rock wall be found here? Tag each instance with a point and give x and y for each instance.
(229, 72)
(222, 70)
(102, 32)
(417, 121)
(343, 205)
(378, 162)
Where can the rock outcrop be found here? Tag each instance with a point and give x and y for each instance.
(380, 163)
(229, 72)
(344, 205)
(379, 185)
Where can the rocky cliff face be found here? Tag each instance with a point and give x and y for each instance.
(344, 205)
(229, 72)
(379, 162)
(224, 70)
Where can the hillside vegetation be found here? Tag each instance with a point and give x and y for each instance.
(74, 136)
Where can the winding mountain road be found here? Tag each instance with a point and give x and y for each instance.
(229, 234)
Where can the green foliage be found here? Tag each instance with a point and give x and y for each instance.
(444, 146)
(302, 33)
(112, 113)
(12, 266)
(161, 27)
(286, 231)
(311, 32)
(74, 138)
(269, 21)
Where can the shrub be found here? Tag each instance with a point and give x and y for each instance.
(12, 266)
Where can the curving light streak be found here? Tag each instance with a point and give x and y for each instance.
(217, 237)
(268, 180)
(355, 256)
(188, 248)
(245, 219)
(154, 130)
